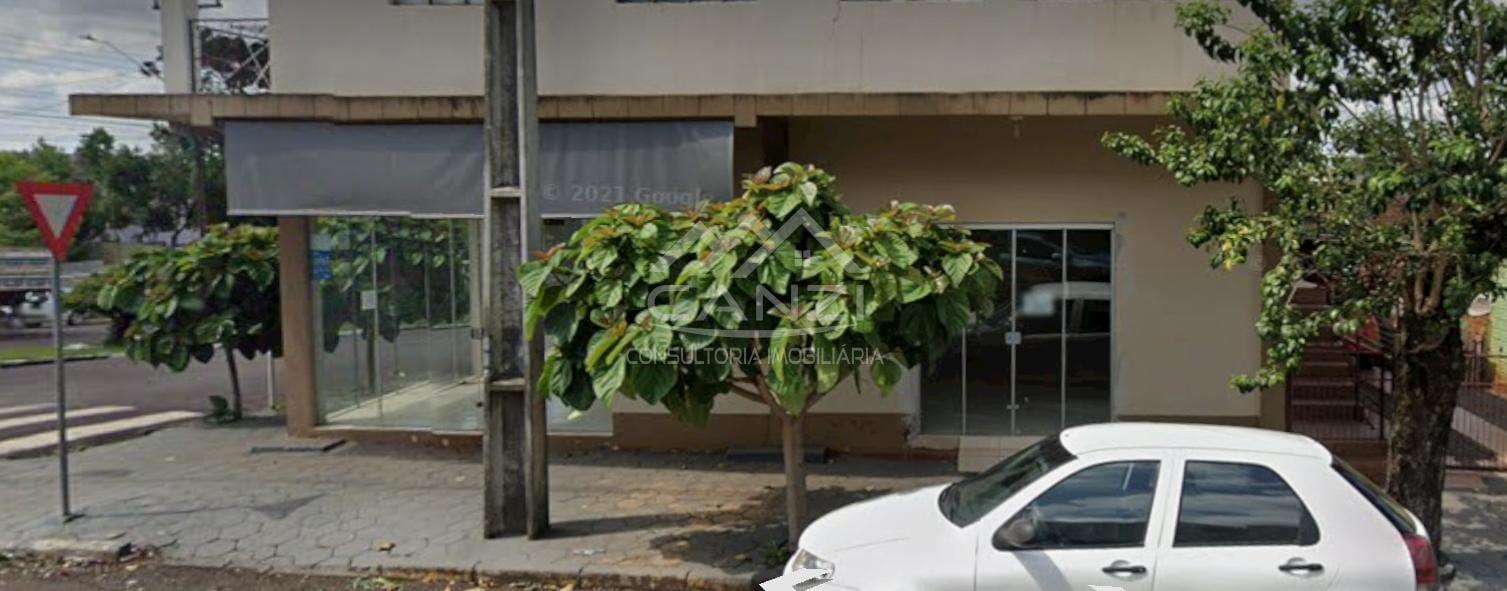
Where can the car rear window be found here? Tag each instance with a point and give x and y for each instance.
(1234, 504)
(1389, 508)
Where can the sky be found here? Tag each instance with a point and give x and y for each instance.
(43, 59)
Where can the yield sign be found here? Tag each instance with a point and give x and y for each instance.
(58, 208)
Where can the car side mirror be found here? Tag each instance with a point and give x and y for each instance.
(1017, 534)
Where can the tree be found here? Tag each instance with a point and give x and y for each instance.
(1377, 128)
(151, 190)
(776, 296)
(180, 304)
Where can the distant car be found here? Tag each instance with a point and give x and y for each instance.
(1138, 507)
(32, 310)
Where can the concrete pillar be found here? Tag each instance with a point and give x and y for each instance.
(296, 294)
(177, 44)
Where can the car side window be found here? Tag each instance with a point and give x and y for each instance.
(1231, 504)
(1105, 506)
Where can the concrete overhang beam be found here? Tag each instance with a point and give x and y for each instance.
(745, 110)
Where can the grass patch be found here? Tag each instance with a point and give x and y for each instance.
(44, 352)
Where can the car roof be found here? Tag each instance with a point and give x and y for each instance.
(1113, 436)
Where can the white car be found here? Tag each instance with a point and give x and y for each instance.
(1133, 506)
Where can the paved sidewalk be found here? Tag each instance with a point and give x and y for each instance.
(1475, 529)
(198, 494)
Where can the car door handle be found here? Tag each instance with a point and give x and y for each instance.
(1305, 567)
(1124, 569)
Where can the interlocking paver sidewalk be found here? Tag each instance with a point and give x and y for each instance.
(199, 494)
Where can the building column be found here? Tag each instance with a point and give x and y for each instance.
(178, 44)
(296, 295)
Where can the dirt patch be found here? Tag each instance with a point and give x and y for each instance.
(34, 574)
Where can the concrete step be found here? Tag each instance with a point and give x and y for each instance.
(46, 441)
(1325, 368)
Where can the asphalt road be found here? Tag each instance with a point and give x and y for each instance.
(120, 382)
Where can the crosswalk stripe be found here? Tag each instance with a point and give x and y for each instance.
(87, 433)
(24, 408)
(77, 413)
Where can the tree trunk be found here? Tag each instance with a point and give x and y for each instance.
(1427, 388)
(235, 384)
(793, 438)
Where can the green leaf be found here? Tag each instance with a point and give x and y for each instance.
(555, 376)
(601, 344)
(913, 286)
(538, 307)
(896, 250)
(808, 192)
(607, 379)
(609, 293)
(952, 310)
(177, 359)
(651, 381)
(695, 338)
(601, 258)
(203, 353)
(791, 389)
(561, 322)
(887, 372)
(828, 369)
(788, 257)
(655, 344)
(782, 204)
(531, 276)
(957, 267)
(578, 393)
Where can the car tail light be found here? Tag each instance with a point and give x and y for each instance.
(1425, 565)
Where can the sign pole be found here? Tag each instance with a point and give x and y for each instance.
(57, 349)
(58, 208)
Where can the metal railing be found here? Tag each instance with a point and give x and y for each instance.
(1480, 436)
(231, 56)
(1357, 407)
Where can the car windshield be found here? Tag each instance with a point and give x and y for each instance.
(971, 498)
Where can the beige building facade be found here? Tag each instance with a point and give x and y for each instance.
(997, 107)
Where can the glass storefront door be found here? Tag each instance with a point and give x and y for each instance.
(394, 323)
(1041, 362)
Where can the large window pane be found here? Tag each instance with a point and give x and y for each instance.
(1038, 357)
(1240, 505)
(1090, 300)
(395, 323)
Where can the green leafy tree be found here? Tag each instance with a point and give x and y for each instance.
(152, 189)
(16, 225)
(180, 304)
(1377, 128)
(776, 296)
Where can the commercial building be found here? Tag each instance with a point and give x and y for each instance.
(358, 124)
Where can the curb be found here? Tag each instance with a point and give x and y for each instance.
(85, 550)
(31, 362)
(590, 580)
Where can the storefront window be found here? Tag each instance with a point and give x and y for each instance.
(394, 323)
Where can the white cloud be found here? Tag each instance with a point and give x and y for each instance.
(43, 59)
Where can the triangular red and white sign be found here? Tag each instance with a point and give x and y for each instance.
(58, 208)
